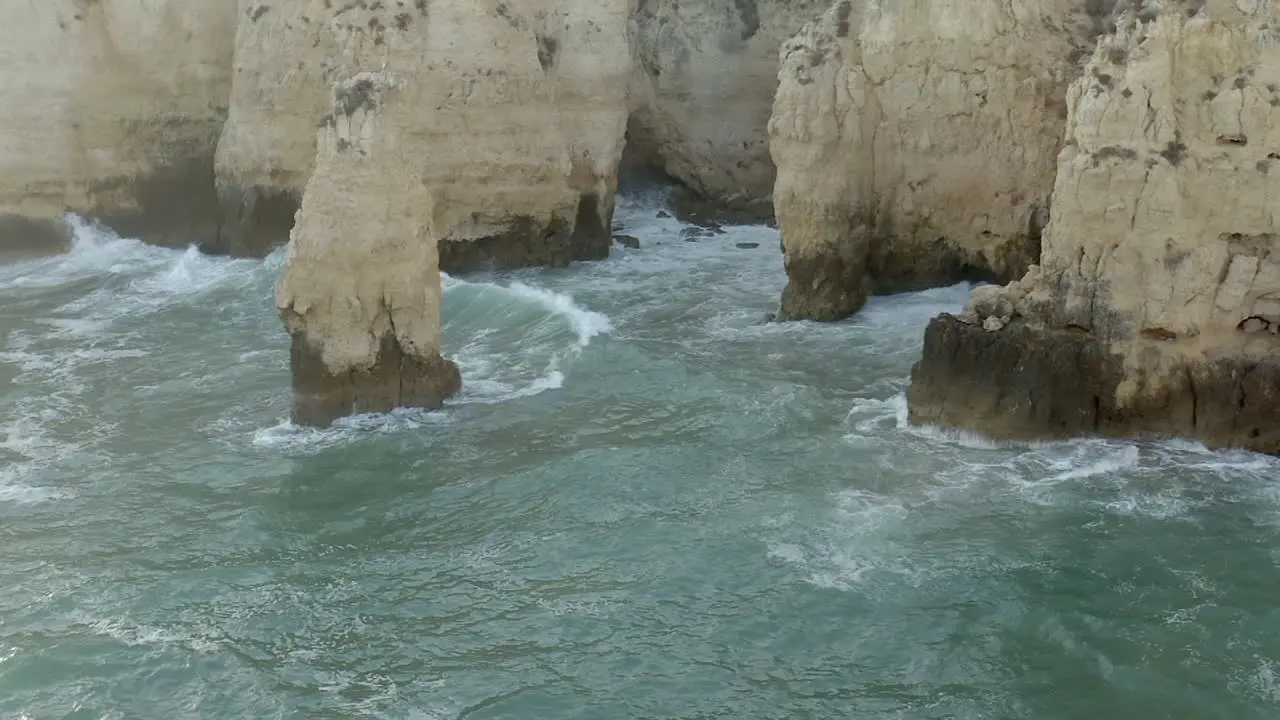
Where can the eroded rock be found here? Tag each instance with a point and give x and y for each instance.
(702, 91)
(524, 111)
(1160, 265)
(360, 292)
(915, 144)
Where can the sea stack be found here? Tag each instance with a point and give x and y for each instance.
(488, 141)
(1155, 306)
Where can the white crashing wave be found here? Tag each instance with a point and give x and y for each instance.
(514, 340)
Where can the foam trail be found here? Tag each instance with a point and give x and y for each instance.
(586, 323)
(95, 252)
(515, 344)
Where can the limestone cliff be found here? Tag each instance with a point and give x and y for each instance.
(490, 138)
(113, 109)
(523, 115)
(702, 92)
(1156, 303)
(915, 143)
(288, 53)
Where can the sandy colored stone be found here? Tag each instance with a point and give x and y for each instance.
(701, 95)
(288, 55)
(523, 112)
(449, 157)
(915, 143)
(1162, 244)
(113, 109)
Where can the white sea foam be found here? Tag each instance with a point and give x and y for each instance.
(288, 437)
(58, 350)
(585, 323)
(514, 340)
(25, 437)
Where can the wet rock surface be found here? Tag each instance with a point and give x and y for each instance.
(1026, 383)
(395, 379)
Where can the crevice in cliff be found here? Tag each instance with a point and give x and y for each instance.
(1195, 400)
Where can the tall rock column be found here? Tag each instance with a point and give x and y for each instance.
(915, 142)
(483, 139)
(113, 109)
(1156, 305)
(360, 293)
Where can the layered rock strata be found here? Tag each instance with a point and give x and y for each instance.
(1156, 305)
(915, 144)
(701, 95)
(113, 109)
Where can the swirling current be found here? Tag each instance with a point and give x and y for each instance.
(646, 503)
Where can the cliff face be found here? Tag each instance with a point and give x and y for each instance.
(113, 109)
(915, 143)
(288, 53)
(488, 139)
(702, 92)
(524, 114)
(1156, 303)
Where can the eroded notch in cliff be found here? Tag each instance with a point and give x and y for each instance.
(843, 13)
(591, 236)
(548, 47)
(749, 14)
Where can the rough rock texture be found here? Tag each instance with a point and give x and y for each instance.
(492, 139)
(523, 117)
(288, 54)
(1157, 301)
(702, 92)
(360, 292)
(915, 143)
(113, 109)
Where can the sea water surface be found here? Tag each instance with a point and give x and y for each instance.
(644, 504)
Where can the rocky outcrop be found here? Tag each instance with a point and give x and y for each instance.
(112, 109)
(915, 143)
(360, 292)
(1156, 305)
(523, 118)
(487, 140)
(701, 94)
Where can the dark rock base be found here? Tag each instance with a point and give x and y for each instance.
(691, 207)
(176, 206)
(527, 243)
(255, 220)
(22, 236)
(395, 380)
(824, 288)
(1023, 383)
(834, 285)
(899, 265)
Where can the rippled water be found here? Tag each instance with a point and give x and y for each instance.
(645, 504)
